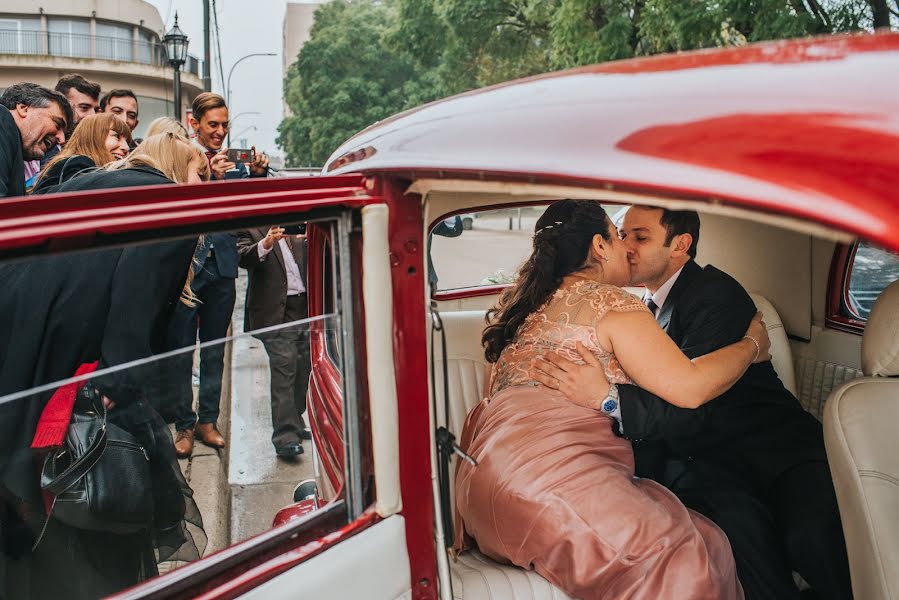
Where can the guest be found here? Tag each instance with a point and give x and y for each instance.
(109, 306)
(83, 97)
(123, 104)
(276, 294)
(168, 125)
(97, 141)
(33, 121)
(216, 263)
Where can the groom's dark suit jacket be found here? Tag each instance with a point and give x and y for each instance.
(756, 429)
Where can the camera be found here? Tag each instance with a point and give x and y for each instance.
(241, 155)
(299, 229)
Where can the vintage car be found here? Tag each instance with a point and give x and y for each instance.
(790, 153)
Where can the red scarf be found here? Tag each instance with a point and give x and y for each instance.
(57, 414)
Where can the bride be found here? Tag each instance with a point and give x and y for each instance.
(554, 488)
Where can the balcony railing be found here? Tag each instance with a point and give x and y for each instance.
(78, 45)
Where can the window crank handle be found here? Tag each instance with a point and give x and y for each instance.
(458, 450)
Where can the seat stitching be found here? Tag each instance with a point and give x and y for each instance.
(878, 475)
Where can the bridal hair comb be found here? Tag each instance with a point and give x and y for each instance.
(536, 233)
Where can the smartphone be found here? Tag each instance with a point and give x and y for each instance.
(295, 229)
(241, 155)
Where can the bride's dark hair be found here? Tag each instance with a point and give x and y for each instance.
(562, 240)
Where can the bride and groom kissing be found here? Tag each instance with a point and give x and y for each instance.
(642, 449)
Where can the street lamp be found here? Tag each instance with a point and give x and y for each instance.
(239, 60)
(175, 43)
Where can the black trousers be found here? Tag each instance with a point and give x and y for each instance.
(211, 316)
(793, 525)
(290, 365)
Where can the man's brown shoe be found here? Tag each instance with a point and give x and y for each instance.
(184, 443)
(209, 435)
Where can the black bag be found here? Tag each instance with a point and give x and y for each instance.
(101, 475)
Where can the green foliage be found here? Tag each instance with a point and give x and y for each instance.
(344, 79)
(368, 59)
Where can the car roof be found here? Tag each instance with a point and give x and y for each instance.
(807, 127)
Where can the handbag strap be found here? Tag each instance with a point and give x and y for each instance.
(81, 466)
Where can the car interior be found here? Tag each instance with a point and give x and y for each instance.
(790, 268)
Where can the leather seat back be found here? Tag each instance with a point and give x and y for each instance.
(781, 355)
(860, 420)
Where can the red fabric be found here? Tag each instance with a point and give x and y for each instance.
(55, 418)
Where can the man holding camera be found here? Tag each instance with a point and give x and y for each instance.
(215, 265)
(211, 123)
(275, 259)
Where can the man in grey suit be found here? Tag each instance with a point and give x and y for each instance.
(276, 294)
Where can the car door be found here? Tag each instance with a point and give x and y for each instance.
(346, 548)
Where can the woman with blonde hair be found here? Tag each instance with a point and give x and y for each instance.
(168, 125)
(97, 140)
(167, 154)
(111, 306)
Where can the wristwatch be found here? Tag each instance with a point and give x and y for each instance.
(610, 404)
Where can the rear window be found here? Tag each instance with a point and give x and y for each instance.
(870, 270)
(486, 247)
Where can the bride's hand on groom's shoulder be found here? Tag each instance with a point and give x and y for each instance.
(585, 385)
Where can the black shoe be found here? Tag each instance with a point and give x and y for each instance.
(289, 450)
(305, 435)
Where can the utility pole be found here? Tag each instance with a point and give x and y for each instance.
(207, 61)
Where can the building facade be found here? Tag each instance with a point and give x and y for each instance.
(116, 43)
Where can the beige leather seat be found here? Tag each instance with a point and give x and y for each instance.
(475, 576)
(860, 420)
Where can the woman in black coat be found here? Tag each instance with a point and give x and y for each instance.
(57, 313)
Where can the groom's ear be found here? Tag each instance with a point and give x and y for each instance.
(680, 245)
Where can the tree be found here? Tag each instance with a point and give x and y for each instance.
(344, 79)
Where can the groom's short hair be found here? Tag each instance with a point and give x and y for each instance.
(677, 222)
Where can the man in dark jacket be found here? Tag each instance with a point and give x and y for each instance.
(33, 122)
(752, 460)
(276, 294)
(216, 267)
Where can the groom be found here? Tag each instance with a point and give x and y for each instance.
(752, 460)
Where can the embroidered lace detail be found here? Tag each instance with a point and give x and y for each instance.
(570, 316)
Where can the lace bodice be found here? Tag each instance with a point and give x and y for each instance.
(570, 316)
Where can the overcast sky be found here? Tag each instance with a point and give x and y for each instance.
(245, 27)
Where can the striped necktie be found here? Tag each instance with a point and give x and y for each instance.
(653, 307)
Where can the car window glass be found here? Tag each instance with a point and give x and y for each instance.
(871, 271)
(236, 351)
(483, 248)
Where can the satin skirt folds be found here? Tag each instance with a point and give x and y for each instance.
(554, 490)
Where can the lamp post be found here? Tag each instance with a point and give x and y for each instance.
(234, 120)
(239, 60)
(175, 43)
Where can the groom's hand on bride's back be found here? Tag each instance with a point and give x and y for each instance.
(585, 385)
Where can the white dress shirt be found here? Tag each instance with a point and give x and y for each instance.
(662, 293)
(295, 285)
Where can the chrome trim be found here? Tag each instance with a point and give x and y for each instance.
(355, 496)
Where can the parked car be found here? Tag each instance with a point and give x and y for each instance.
(789, 151)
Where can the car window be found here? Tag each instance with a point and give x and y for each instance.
(483, 248)
(870, 271)
(155, 339)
